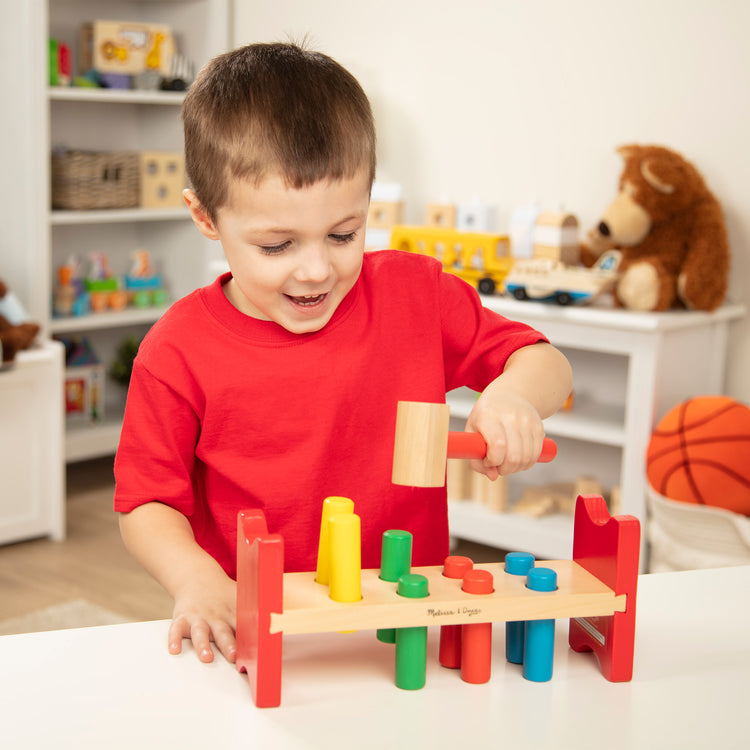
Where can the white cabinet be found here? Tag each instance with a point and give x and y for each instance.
(112, 120)
(629, 369)
(32, 499)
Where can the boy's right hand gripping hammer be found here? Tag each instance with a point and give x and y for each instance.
(424, 444)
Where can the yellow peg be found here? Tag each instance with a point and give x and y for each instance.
(331, 506)
(346, 560)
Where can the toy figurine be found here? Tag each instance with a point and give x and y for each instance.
(143, 284)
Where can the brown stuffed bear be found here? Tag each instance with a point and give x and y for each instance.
(14, 335)
(671, 231)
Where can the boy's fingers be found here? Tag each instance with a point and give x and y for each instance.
(200, 635)
(178, 630)
(225, 641)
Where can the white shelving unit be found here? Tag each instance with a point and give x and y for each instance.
(112, 120)
(629, 369)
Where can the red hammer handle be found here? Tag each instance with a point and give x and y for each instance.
(473, 445)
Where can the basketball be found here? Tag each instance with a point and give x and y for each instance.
(700, 453)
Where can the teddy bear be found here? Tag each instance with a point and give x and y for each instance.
(16, 332)
(670, 230)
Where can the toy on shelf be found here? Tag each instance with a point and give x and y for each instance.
(441, 214)
(596, 591)
(522, 228)
(144, 286)
(70, 295)
(125, 52)
(59, 63)
(480, 258)
(548, 280)
(556, 237)
(475, 216)
(162, 179)
(181, 74)
(670, 229)
(537, 501)
(84, 381)
(102, 286)
(101, 290)
(17, 331)
(385, 211)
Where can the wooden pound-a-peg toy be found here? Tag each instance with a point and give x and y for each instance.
(424, 444)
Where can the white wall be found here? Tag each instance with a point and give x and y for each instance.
(19, 86)
(520, 100)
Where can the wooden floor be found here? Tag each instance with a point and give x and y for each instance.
(92, 562)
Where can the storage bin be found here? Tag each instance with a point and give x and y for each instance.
(84, 180)
(683, 536)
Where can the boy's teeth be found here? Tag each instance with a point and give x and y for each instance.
(308, 299)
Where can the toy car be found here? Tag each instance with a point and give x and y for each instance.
(549, 280)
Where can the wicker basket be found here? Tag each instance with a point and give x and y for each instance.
(83, 180)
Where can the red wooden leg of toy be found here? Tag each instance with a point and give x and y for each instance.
(608, 547)
(260, 576)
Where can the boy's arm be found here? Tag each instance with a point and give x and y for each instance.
(534, 384)
(161, 539)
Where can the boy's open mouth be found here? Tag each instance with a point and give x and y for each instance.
(308, 300)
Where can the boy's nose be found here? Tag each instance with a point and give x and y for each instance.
(315, 265)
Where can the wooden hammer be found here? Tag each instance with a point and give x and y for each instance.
(424, 444)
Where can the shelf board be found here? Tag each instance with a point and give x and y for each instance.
(86, 441)
(590, 421)
(107, 319)
(114, 96)
(115, 215)
(602, 314)
(550, 537)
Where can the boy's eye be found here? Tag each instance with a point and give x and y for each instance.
(274, 249)
(343, 238)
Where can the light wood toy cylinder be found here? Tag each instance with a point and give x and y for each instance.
(421, 446)
(460, 480)
(494, 495)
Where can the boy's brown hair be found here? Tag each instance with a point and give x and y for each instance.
(278, 107)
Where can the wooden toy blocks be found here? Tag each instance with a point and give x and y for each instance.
(162, 180)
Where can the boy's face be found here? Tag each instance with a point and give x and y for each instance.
(294, 253)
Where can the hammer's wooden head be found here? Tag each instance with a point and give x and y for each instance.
(420, 452)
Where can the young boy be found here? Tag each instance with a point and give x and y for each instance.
(276, 386)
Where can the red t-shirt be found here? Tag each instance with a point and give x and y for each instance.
(226, 412)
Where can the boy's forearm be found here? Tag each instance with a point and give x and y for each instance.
(161, 539)
(540, 373)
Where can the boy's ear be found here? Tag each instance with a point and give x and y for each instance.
(200, 218)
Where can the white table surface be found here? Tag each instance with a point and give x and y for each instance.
(117, 687)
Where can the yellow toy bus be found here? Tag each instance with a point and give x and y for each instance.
(479, 258)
